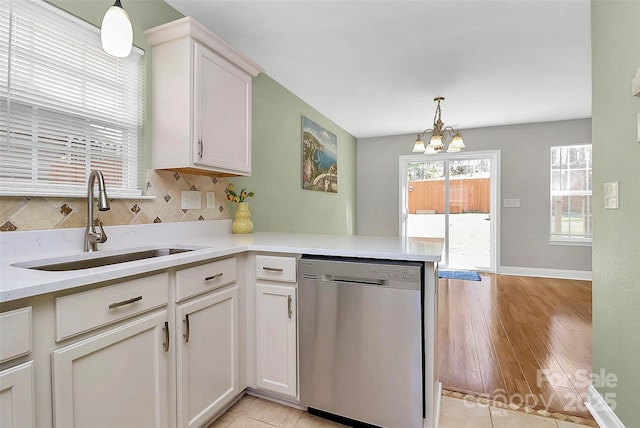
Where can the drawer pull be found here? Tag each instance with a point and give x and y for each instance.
(125, 302)
(272, 269)
(186, 329)
(289, 301)
(166, 336)
(216, 276)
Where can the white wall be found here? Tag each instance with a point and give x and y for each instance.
(524, 231)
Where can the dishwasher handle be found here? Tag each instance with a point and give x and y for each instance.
(352, 280)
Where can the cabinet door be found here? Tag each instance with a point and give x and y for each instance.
(207, 356)
(17, 404)
(222, 110)
(276, 359)
(114, 379)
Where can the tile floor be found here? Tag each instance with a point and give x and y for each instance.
(255, 412)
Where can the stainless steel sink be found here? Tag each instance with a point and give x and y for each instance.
(67, 264)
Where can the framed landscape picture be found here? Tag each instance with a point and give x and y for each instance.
(319, 158)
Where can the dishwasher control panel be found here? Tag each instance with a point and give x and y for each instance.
(396, 272)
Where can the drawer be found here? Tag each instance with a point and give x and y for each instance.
(203, 278)
(87, 310)
(276, 268)
(15, 333)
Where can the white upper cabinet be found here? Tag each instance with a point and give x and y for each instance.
(201, 101)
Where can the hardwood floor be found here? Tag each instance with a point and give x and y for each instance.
(521, 340)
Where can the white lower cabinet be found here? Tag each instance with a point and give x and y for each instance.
(276, 344)
(114, 379)
(207, 356)
(17, 394)
(17, 404)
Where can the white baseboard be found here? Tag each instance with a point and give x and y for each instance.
(436, 416)
(546, 273)
(600, 410)
(276, 399)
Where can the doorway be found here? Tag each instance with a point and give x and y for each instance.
(453, 197)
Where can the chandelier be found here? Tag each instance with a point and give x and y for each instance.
(438, 134)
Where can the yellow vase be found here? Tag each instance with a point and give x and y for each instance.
(242, 221)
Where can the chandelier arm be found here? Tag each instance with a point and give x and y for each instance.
(451, 130)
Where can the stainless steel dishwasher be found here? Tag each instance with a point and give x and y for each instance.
(361, 347)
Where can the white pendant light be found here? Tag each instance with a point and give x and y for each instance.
(116, 32)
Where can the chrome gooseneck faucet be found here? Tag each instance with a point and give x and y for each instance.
(92, 237)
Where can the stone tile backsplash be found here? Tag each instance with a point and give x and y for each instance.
(37, 213)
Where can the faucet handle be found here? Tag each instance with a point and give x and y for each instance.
(101, 235)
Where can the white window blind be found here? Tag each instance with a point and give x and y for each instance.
(66, 106)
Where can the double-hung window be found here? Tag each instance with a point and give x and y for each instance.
(571, 177)
(66, 106)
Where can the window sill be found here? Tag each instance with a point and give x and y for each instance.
(570, 242)
(63, 194)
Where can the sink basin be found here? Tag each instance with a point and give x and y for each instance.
(76, 263)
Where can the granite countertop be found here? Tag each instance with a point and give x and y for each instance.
(15, 247)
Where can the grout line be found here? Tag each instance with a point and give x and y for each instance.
(490, 413)
(262, 422)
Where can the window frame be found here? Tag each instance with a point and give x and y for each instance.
(96, 136)
(569, 239)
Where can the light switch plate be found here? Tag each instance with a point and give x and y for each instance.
(191, 200)
(512, 203)
(211, 199)
(611, 195)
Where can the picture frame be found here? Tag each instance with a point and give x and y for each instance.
(319, 158)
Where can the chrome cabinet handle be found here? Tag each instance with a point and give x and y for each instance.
(186, 328)
(201, 152)
(289, 301)
(165, 343)
(125, 302)
(217, 275)
(272, 269)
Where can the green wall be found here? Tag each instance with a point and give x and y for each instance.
(616, 241)
(280, 204)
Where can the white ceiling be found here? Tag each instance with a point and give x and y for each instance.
(374, 67)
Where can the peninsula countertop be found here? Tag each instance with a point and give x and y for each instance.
(214, 236)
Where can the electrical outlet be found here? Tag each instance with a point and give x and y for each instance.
(191, 200)
(512, 203)
(211, 199)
